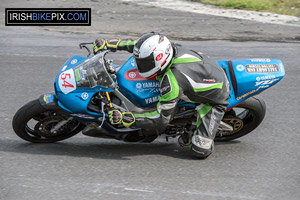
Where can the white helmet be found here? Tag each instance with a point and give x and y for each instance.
(153, 53)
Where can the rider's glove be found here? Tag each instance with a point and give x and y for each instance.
(115, 117)
(99, 45)
(128, 118)
(112, 44)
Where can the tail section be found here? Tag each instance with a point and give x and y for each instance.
(251, 76)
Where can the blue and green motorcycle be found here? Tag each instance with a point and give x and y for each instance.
(86, 88)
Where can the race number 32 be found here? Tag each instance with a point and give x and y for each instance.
(67, 82)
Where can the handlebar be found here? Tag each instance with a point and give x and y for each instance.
(108, 64)
(84, 46)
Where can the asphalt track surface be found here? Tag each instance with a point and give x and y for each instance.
(262, 165)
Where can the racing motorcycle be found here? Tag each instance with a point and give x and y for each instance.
(86, 88)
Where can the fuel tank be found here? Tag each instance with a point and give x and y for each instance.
(140, 91)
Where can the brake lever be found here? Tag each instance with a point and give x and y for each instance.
(83, 45)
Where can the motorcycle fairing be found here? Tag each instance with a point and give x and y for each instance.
(249, 77)
(76, 100)
(246, 78)
(140, 91)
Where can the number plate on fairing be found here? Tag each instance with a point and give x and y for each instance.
(66, 81)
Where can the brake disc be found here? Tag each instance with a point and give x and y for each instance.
(43, 127)
(236, 123)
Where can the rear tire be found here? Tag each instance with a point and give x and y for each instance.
(256, 108)
(36, 112)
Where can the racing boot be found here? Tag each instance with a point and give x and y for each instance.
(201, 147)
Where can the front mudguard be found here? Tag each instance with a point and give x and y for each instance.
(49, 101)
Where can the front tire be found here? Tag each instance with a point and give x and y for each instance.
(33, 123)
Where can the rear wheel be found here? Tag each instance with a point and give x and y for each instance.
(244, 118)
(34, 123)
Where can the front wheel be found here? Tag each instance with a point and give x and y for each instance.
(244, 118)
(34, 123)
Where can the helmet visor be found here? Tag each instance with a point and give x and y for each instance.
(145, 64)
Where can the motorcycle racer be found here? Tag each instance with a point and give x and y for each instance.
(183, 74)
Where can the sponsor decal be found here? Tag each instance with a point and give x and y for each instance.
(247, 94)
(202, 142)
(152, 99)
(74, 61)
(265, 82)
(151, 84)
(149, 90)
(264, 86)
(261, 60)
(159, 57)
(84, 96)
(262, 68)
(165, 86)
(265, 77)
(240, 68)
(132, 74)
(209, 80)
(164, 89)
(132, 63)
(138, 85)
(48, 98)
(64, 68)
(151, 87)
(66, 81)
(212, 123)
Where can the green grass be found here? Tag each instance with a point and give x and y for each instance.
(286, 7)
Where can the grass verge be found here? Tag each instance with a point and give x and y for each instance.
(286, 7)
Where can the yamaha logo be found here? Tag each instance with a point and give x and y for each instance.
(74, 61)
(132, 74)
(84, 96)
(138, 85)
(240, 67)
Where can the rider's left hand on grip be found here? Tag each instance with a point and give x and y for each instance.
(128, 118)
(115, 117)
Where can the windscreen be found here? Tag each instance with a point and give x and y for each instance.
(93, 73)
